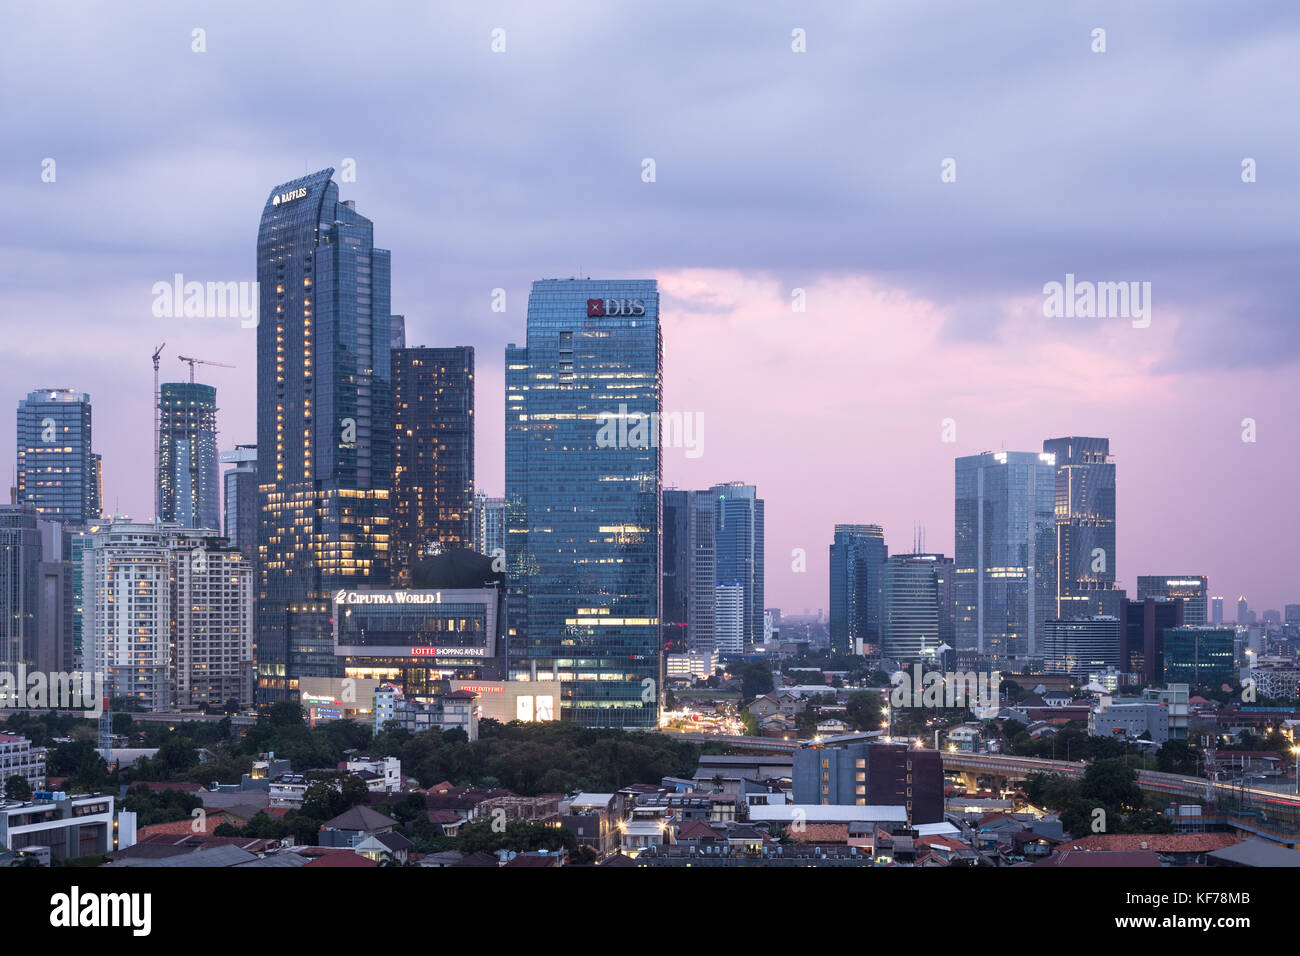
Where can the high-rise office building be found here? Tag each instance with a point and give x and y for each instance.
(1080, 646)
(1189, 588)
(1200, 656)
(20, 559)
(239, 522)
(1143, 625)
(858, 554)
(729, 618)
(433, 454)
(1005, 574)
(168, 616)
(690, 571)
(916, 606)
(584, 475)
(1243, 612)
(36, 599)
(1216, 611)
(57, 471)
(187, 455)
(1085, 528)
(324, 424)
(489, 525)
(738, 534)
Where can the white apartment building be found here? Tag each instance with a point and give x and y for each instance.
(168, 615)
(729, 619)
(386, 772)
(17, 757)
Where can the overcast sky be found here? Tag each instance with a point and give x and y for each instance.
(774, 171)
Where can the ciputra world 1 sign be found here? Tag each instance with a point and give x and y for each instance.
(388, 597)
(602, 307)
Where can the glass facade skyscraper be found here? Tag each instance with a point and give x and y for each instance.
(20, 559)
(57, 471)
(1082, 646)
(1191, 589)
(1085, 528)
(433, 454)
(916, 606)
(240, 499)
(1005, 576)
(489, 524)
(738, 534)
(324, 424)
(1201, 657)
(187, 455)
(689, 571)
(858, 555)
(583, 509)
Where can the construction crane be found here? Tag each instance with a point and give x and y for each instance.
(198, 361)
(157, 398)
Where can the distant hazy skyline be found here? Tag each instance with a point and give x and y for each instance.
(774, 171)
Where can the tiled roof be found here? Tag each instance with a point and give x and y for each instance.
(444, 816)
(1155, 842)
(821, 833)
(698, 830)
(361, 818)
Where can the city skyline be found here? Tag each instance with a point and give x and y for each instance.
(963, 339)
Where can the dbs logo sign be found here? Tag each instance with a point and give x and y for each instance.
(601, 307)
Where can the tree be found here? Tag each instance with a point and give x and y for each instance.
(755, 679)
(862, 710)
(1175, 756)
(322, 800)
(17, 788)
(1113, 783)
(285, 713)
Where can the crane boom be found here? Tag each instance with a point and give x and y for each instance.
(198, 361)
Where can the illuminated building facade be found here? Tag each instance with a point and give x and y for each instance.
(56, 470)
(168, 616)
(240, 499)
(1199, 656)
(858, 554)
(187, 455)
(324, 424)
(489, 525)
(916, 606)
(1191, 589)
(433, 454)
(583, 507)
(419, 639)
(689, 572)
(1085, 528)
(738, 538)
(1080, 647)
(1005, 576)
